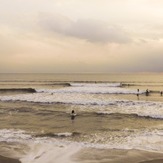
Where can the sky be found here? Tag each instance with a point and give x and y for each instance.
(81, 36)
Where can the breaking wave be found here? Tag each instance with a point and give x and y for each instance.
(94, 96)
(96, 84)
(99, 104)
(87, 88)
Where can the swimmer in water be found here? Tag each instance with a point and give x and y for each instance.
(73, 115)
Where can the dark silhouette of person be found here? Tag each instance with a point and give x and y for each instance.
(73, 115)
(138, 92)
(147, 92)
(73, 112)
(161, 93)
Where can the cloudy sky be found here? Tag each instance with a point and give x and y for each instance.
(69, 36)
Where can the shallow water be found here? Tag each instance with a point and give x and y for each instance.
(110, 115)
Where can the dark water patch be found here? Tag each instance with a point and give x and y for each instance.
(154, 91)
(110, 130)
(60, 84)
(59, 135)
(25, 90)
(21, 109)
(124, 115)
(43, 113)
(52, 113)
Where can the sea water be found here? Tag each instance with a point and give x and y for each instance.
(36, 124)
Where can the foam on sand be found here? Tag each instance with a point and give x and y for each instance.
(40, 149)
(49, 153)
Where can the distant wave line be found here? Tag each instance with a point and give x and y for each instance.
(29, 90)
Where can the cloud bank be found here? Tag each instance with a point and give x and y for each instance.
(87, 29)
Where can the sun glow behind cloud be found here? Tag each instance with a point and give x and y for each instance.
(81, 36)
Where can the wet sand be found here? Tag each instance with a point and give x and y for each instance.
(118, 156)
(153, 161)
(8, 160)
(122, 156)
(108, 156)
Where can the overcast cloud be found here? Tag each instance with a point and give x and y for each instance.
(87, 29)
(81, 36)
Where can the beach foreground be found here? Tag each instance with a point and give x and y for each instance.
(119, 156)
(8, 160)
(153, 161)
(90, 155)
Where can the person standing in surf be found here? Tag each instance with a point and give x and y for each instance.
(73, 115)
(147, 92)
(137, 93)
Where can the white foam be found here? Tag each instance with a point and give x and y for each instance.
(86, 94)
(11, 135)
(50, 153)
(95, 84)
(91, 88)
(147, 140)
(65, 98)
(80, 94)
(138, 139)
(67, 134)
(41, 150)
(141, 108)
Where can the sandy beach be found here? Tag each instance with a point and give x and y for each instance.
(88, 155)
(118, 156)
(153, 161)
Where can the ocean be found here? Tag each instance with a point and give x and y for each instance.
(115, 120)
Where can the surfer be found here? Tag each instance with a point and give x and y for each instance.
(138, 92)
(147, 92)
(73, 114)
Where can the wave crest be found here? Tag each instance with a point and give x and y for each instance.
(62, 135)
